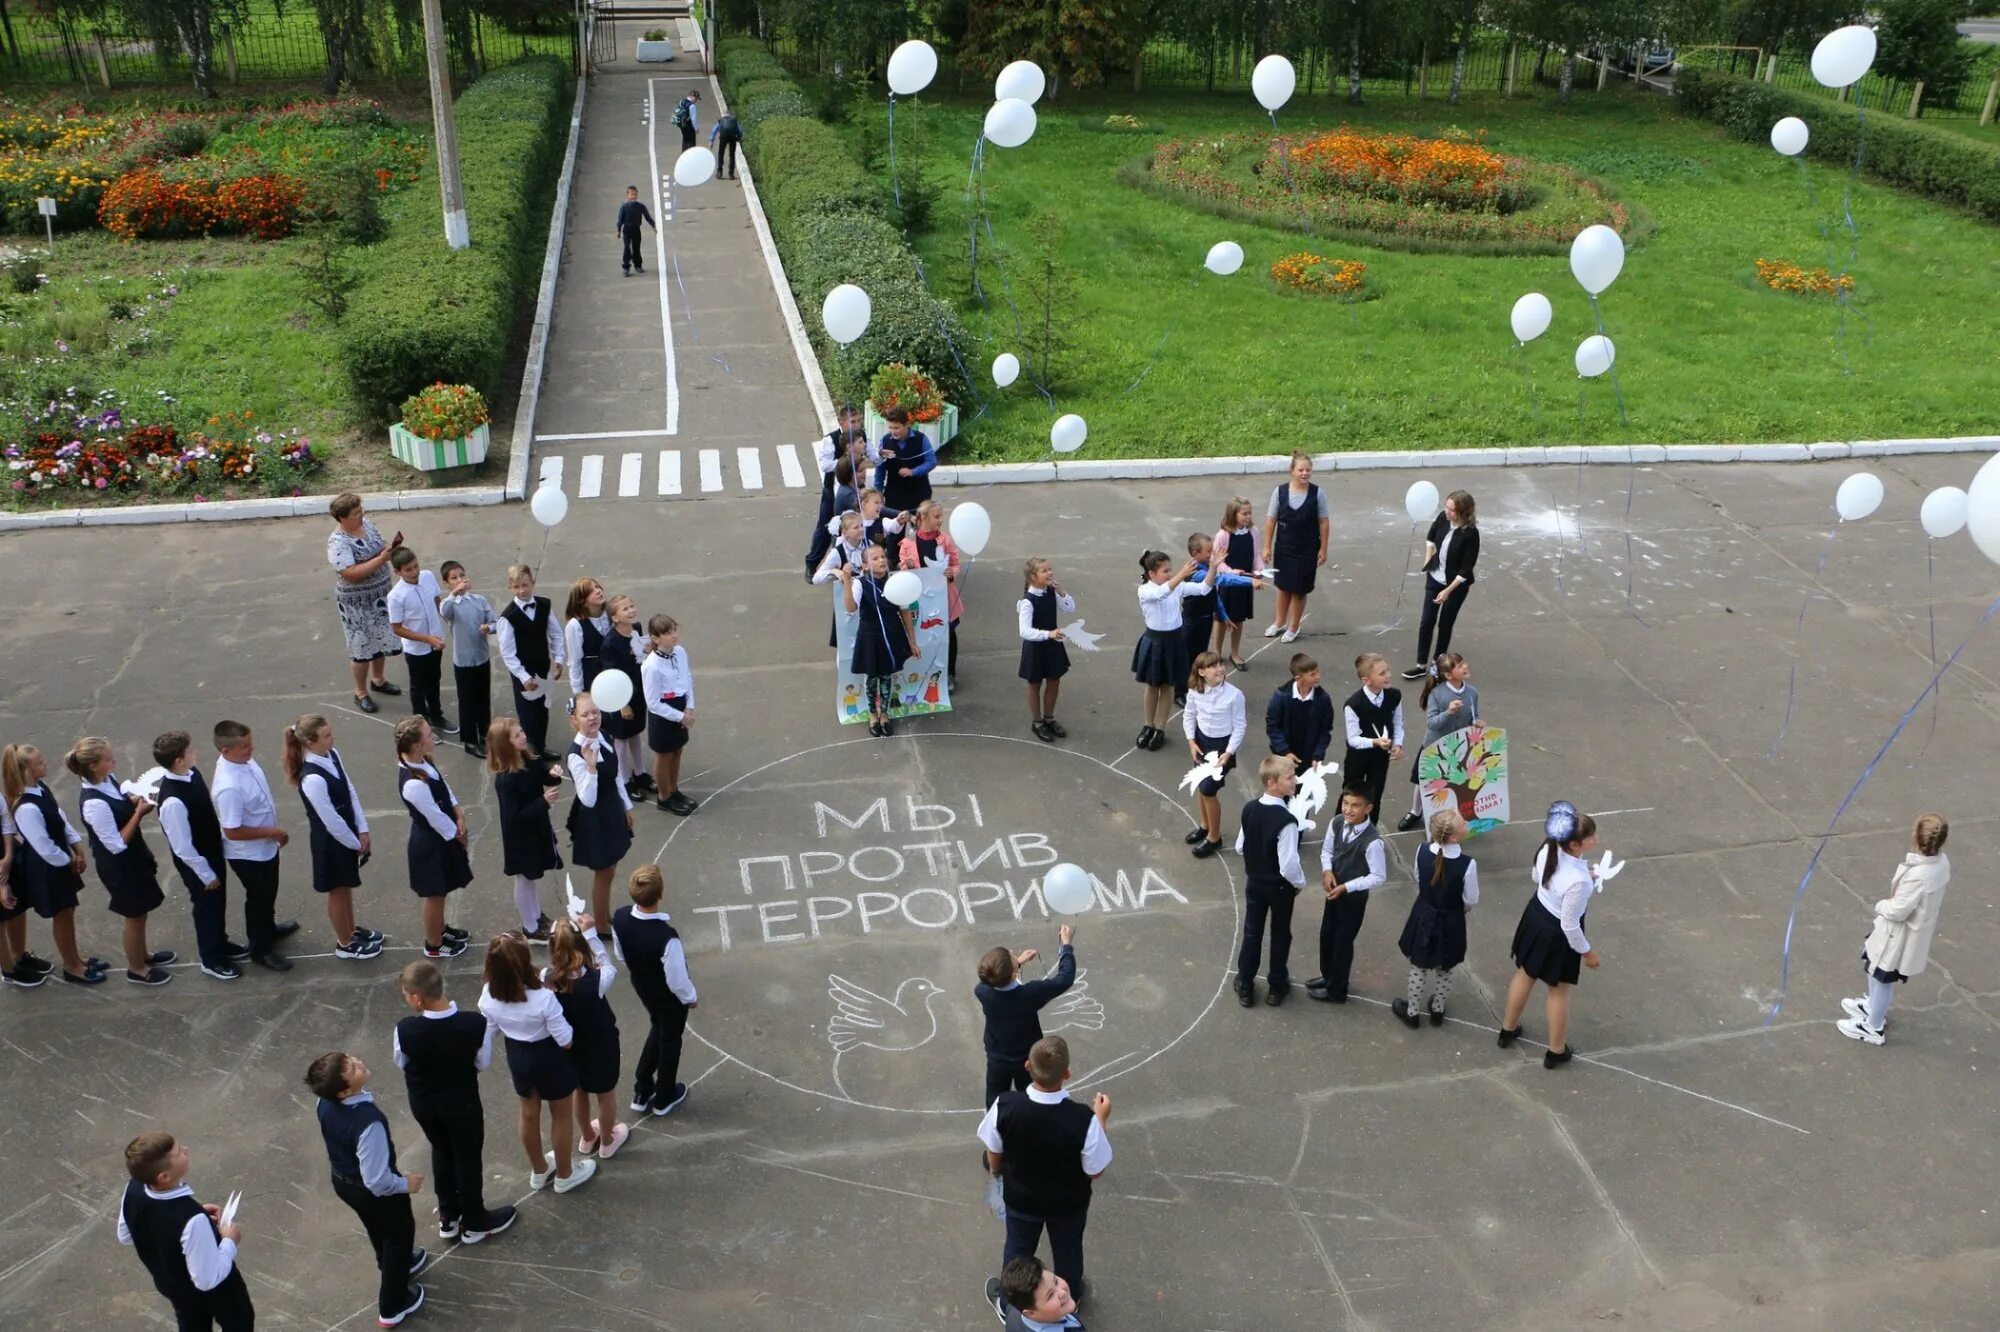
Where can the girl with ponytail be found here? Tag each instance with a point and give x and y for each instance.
(1549, 943)
(1434, 935)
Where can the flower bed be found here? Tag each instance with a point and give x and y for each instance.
(94, 453)
(445, 411)
(1320, 276)
(1784, 275)
(1457, 175)
(164, 204)
(899, 385)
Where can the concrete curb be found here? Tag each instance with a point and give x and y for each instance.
(249, 510)
(521, 459)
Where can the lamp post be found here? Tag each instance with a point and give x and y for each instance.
(456, 233)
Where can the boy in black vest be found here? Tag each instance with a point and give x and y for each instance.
(1030, 1298)
(1045, 1149)
(442, 1053)
(1298, 721)
(194, 834)
(650, 947)
(1352, 863)
(363, 1159)
(1268, 841)
(531, 648)
(1374, 715)
(186, 1246)
(1013, 1009)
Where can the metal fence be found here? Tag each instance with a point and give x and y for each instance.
(1972, 100)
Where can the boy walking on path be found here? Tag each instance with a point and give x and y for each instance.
(684, 116)
(726, 133)
(631, 214)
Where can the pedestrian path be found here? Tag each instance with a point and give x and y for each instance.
(618, 469)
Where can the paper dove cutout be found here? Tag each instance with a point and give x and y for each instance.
(148, 785)
(1313, 790)
(1208, 770)
(1084, 642)
(229, 1208)
(940, 561)
(1266, 573)
(1605, 871)
(575, 902)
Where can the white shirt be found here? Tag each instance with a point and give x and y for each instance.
(607, 974)
(573, 647)
(35, 832)
(585, 776)
(668, 677)
(480, 1061)
(1470, 893)
(1096, 1144)
(1355, 739)
(1567, 896)
(243, 800)
(1216, 712)
(1288, 846)
(418, 792)
(828, 454)
(1160, 603)
(209, 1260)
(97, 815)
(841, 553)
(179, 829)
(539, 1015)
(1343, 832)
(414, 606)
(1437, 574)
(510, 656)
(1024, 609)
(315, 784)
(674, 959)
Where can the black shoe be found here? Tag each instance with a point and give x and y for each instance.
(497, 1220)
(24, 976)
(284, 929)
(96, 964)
(1159, 739)
(665, 806)
(474, 750)
(1055, 727)
(993, 1298)
(682, 805)
(385, 687)
(1416, 672)
(1401, 1008)
(1207, 849)
(1275, 994)
(235, 952)
(1437, 1016)
(366, 704)
(1508, 1035)
(396, 1319)
(165, 957)
(1550, 1059)
(1042, 731)
(1246, 995)
(150, 976)
(1410, 823)
(454, 932)
(639, 268)
(88, 977)
(1180, 701)
(1197, 837)
(418, 1259)
(443, 725)
(222, 971)
(36, 964)
(874, 729)
(272, 961)
(1319, 994)
(888, 726)
(665, 1103)
(1144, 740)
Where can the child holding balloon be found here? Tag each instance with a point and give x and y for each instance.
(926, 543)
(626, 722)
(882, 636)
(1159, 658)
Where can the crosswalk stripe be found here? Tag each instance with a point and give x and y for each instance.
(552, 470)
(670, 471)
(590, 476)
(751, 468)
(788, 463)
(711, 469)
(629, 468)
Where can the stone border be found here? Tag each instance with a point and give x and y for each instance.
(521, 459)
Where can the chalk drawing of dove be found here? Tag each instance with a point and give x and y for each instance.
(1074, 1007)
(865, 1019)
(1073, 633)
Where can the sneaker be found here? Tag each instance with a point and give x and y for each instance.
(165, 957)
(1410, 823)
(1416, 672)
(24, 976)
(222, 971)
(1055, 728)
(443, 725)
(1859, 1030)
(666, 1105)
(396, 1320)
(454, 932)
(497, 1220)
(1289, 636)
(608, 1146)
(1271, 630)
(538, 1178)
(33, 963)
(357, 949)
(236, 952)
(419, 1259)
(1858, 1010)
(96, 964)
(993, 1298)
(580, 1172)
(150, 976)
(449, 947)
(640, 1105)
(447, 1230)
(88, 977)
(373, 936)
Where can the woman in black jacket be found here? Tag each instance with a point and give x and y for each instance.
(1450, 550)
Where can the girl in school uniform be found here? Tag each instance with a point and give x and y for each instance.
(580, 973)
(1295, 532)
(584, 628)
(875, 528)
(1241, 550)
(1215, 720)
(928, 541)
(1434, 935)
(524, 788)
(15, 969)
(1450, 703)
(621, 651)
(1450, 551)
(339, 838)
(882, 637)
(48, 872)
(538, 1037)
(1044, 659)
(669, 699)
(125, 863)
(600, 818)
(437, 853)
(850, 547)
(1549, 943)
(1159, 658)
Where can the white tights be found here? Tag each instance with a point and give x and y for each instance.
(1880, 995)
(631, 756)
(528, 901)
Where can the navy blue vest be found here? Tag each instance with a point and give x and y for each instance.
(1042, 608)
(126, 871)
(156, 1226)
(341, 1126)
(203, 826)
(439, 1057)
(590, 660)
(531, 637)
(1262, 824)
(336, 794)
(644, 944)
(1041, 1169)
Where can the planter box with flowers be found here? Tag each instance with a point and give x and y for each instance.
(443, 426)
(908, 387)
(654, 46)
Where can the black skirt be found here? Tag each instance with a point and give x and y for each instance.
(1433, 939)
(540, 1068)
(880, 644)
(438, 865)
(598, 836)
(135, 896)
(1298, 569)
(1239, 602)
(1208, 744)
(1043, 659)
(49, 889)
(334, 866)
(1160, 658)
(1542, 949)
(1886, 977)
(665, 736)
(527, 833)
(593, 1051)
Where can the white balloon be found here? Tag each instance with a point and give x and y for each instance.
(971, 527)
(1595, 257)
(1066, 889)
(1859, 495)
(1944, 511)
(611, 690)
(1010, 123)
(1224, 258)
(549, 505)
(845, 313)
(1843, 55)
(1006, 369)
(912, 66)
(1272, 81)
(1789, 136)
(1982, 509)
(1068, 433)
(902, 588)
(695, 166)
(1420, 501)
(1023, 81)
(1531, 316)
(1594, 356)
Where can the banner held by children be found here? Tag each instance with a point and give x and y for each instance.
(924, 684)
(1466, 771)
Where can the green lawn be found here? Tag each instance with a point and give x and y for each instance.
(1704, 352)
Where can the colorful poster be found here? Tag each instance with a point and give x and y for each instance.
(1467, 771)
(924, 684)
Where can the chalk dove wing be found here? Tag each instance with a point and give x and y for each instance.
(1075, 1007)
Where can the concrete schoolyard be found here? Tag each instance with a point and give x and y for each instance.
(1306, 1167)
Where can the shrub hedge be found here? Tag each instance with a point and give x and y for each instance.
(788, 101)
(424, 312)
(1931, 162)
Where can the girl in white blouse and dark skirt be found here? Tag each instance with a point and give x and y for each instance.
(1215, 722)
(438, 855)
(339, 839)
(1549, 943)
(1434, 935)
(538, 1037)
(1044, 659)
(1160, 658)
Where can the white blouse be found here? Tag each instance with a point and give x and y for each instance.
(1567, 895)
(1216, 713)
(535, 1018)
(315, 784)
(1024, 609)
(418, 792)
(585, 776)
(668, 677)
(1160, 603)
(34, 830)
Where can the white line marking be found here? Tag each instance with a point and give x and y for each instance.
(604, 434)
(670, 471)
(552, 470)
(590, 476)
(788, 464)
(660, 262)
(629, 468)
(711, 469)
(751, 468)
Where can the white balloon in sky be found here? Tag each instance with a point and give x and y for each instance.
(1010, 123)
(912, 66)
(1272, 82)
(1023, 81)
(1843, 55)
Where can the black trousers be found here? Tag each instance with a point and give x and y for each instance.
(226, 1307)
(475, 700)
(1260, 903)
(260, 902)
(1440, 618)
(533, 714)
(822, 540)
(426, 683)
(211, 924)
(1339, 922)
(725, 158)
(659, 1066)
(457, 1135)
(687, 136)
(951, 655)
(1024, 1236)
(1005, 1075)
(629, 255)
(392, 1233)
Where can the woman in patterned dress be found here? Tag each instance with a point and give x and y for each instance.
(360, 558)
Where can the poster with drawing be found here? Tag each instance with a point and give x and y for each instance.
(1467, 771)
(924, 684)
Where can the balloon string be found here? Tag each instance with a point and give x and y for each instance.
(1402, 584)
(1528, 374)
(1791, 689)
(1930, 597)
(975, 207)
(1798, 897)
(895, 180)
(1285, 160)
(1617, 389)
(1853, 237)
(687, 314)
(979, 218)
(1161, 345)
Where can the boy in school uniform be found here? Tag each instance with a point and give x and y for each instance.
(414, 618)
(650, 949)
(1374, 716)
(845, 442)
(442, 1052)
(362, 1157)
(1013, 1009)
(470, 618)
(905, 460)
(1352, 864)
(251, 840)
(1046, 1149)
(1031, 1298)
(531, 648)
(1298, 721)
(187, 1247)
(1268, 841)
(194, 835)
(631, 215)
(728, 132)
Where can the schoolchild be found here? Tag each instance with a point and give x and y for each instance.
(339, 841)
(531, 648)
(442, 1051)
(438, 850)
(1044, 659)
(1214, 722)
(1434, 935)
(125, 864)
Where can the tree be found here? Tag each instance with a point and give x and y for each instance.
(180, 25)
(343, 26)
(1047, 302)
(1776, 25)
(1075, 41)
(1918, 39)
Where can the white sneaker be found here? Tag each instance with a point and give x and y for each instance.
(1858, 1010)
(539, 1178)
(1289, 636)
(580, 1171)
(1270, 631)
(1855, 1030)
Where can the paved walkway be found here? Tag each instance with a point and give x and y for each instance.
(681, 382)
